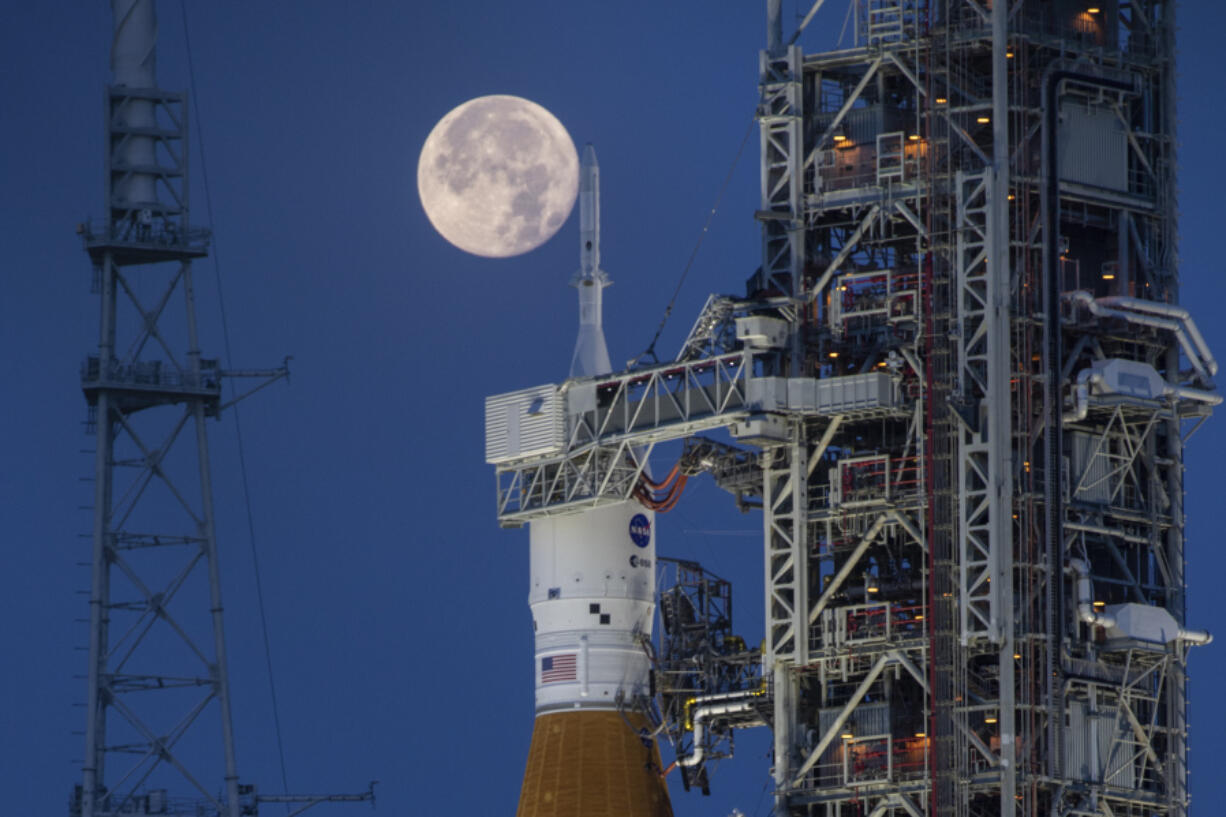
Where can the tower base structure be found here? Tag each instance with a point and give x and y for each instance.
(593, 763)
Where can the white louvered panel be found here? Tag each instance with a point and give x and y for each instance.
(523, 423)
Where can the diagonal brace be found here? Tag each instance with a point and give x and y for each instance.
(837, 727)
(848, 566)
(848, 246)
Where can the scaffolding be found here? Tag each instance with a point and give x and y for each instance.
(974, 576)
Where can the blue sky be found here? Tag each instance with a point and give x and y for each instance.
(397, 609)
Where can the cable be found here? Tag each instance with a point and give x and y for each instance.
(664, 483)
(846, 19)
(761, 797)
(668, 310)
(665, 503)
(671, 486)
(238, 427)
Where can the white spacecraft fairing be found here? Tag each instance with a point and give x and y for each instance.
(591, 353)
(592, 598)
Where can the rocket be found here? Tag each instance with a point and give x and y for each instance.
(592, 596)
(591, 354)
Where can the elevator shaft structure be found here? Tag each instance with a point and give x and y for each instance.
(962, 381)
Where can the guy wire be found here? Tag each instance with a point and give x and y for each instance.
(238, 428)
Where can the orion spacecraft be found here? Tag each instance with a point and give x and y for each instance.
(592, 599)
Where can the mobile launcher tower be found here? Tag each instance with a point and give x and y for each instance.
(958, 390)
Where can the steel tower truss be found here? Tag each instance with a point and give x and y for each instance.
(967, 384)
(157, 655)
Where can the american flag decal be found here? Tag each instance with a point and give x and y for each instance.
(559, 668)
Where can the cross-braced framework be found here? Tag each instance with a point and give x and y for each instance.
(700, 655)
(973, 564)
(157, 658)
(157, 648)
(146, 566)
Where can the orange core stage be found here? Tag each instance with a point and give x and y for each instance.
(592, 764)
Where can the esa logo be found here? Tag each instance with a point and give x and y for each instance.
(640, 530)
(639, 561)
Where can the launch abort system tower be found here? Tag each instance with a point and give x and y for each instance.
(958, 388)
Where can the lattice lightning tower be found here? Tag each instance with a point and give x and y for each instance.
(158, 703)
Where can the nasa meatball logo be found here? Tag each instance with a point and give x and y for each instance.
(640, 530)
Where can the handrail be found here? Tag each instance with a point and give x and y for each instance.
(150, 374)
(165, 234)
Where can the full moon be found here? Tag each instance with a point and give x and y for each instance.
(498, 176)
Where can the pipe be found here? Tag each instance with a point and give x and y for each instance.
(1184, 393)
(1198, 637)
(774, 27)
(701, 714)
(1095, 770)
(1105, 531)
(720, 696)
(1097, 308)
(735, 695)
(134, 65)
(134, 42)
(1171, 311)
(1087, 377)
(1000, 531)
(1086, 613)
(1085, 596)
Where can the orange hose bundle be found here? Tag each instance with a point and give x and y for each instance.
(648, 491)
